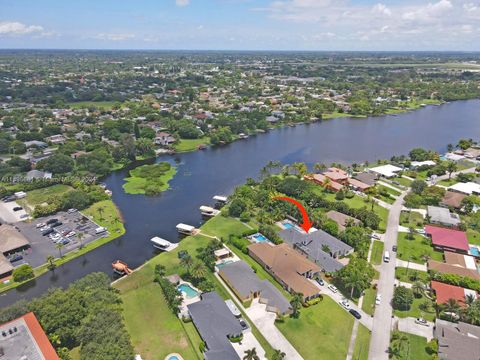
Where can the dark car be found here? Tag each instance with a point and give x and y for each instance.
(320, 281)
(47, 232)
(17, 208)
(65, 241)
(9, 198)
(243, 324)
(355, 313)
(58, 223)
(51, 221)
(16, 257)
(394, 248)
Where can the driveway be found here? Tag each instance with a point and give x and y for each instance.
(265, 322)
(249, 342)
(382, 320)
(411, 265)
(8, 215)
(408, 325)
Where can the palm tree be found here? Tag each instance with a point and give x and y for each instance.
(319, 167)
(101, 210)
(51, 263)
(198, 270)
(418, 288)
(186, 262)
(296, 303)
(397, 343)
(452, 307)
(251, 354)
(80, 237)
(59, 246)
(278, 355)
(451, 167)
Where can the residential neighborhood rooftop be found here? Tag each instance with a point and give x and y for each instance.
(447, 238)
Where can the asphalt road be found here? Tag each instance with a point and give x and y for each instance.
(382, 319)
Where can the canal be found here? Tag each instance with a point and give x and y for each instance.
(203, 174)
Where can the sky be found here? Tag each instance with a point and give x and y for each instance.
(331, 25)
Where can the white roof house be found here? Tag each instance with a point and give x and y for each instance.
(454, 157)
(386, 170)
(468, 188)
(415, 164)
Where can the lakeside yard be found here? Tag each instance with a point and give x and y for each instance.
(186, 145)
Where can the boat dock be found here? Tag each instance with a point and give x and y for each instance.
(187, 229)
(162, 244)
(209, 211)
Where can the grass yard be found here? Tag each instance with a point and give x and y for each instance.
(389, 190)
(362, 343)
(185, 145)
(411, 219)
(377, 252)
(324, 329)
(368, 304)
(473, 236)
(416, 249)
(101, 105)
(415, 310)
(402, 181)
(149, 179)
(155, 331)
(410, 275)
(447, 182)
(45, 195)
(415, 348)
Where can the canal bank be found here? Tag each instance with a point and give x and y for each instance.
(202, 174)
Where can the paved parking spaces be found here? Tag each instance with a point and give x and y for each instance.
(8, 215)
(408, 325)
(43, 246)
(249, 342)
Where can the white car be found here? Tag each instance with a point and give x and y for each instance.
(421, 321)
(45, 228)
(55, 237)
(332, 288)
(375, 236)
(70, 234)
(345, 304)
(40, 225)
(421, 231)
(70, 211)
(378, 299)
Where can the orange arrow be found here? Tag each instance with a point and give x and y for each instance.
(306, 225)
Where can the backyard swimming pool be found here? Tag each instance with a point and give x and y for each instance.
(474, 251)
(188, 290)
(260, 238)
(222, 264)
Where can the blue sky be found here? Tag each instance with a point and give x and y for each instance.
(241, 24)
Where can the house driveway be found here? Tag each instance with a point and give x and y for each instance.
(411, 265)
(249, 342)
(265, 322)
(408, 325)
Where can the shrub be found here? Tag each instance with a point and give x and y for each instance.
(23, 273)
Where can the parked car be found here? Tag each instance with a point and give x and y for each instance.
(51, 221)
(70, 234)
(394, 248)
(421, 321)
(378, 299)
(16, 257)
(395, 183)
(40, 225)
(58, 223)
(64, 241)
(45, 228)
(17, 208)
(421, 231)
(9, 198)
(345, 304)
(355, 313)
(55, 237)
(320, 281)
(332, 288)
(47, 232)
(71, 211)
(243, 324)
(375, 236)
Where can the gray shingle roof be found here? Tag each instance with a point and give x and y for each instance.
(241, 276)
(312, 244)
(214, 321)
(443, 216)
(457, 341)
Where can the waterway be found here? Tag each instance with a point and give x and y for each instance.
(203, 174)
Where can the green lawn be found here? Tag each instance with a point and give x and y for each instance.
(155, 331)
(138, 184)
(415, 348)
(323, 329)
(377, 252)
(473, 236)
(45, 195)
(362, 344)
(411, 219)
(394, 192)
(405, 275)
(102, 105)
(415, 310)
(416, 249)
(447, 182)
(368, 304)
(185, 145)
(402, 181)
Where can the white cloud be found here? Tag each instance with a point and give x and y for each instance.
(18, 28)
(182, 2)
(381, 9)
(113, 37)
(429, 12)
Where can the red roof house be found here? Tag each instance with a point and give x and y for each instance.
(444, 292)
(448, 239)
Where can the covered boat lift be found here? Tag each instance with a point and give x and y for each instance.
(162, 244)
(208, 211)
(186, 229)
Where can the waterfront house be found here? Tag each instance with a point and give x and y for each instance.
(468, 188)
(323, 181)
(164, 139)
(386, 171)
(448, 239)
(366, 178)
(453, 199)
(247, 286)
(216, 325)
(342, 220)
(444, 292)
(291, 269)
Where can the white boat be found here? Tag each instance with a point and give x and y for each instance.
(185, 229)
(208, 211)
(220, 198)
(162, 244)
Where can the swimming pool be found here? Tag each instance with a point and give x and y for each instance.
(188, 290)
(222, 264)
(260, 238)
(173, 357)
(474, 251)
(288, 225)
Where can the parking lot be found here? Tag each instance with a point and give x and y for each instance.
(8, 215)
(66, 231)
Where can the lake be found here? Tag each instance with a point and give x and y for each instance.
(203, 174)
